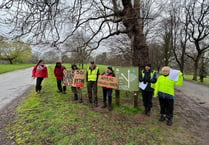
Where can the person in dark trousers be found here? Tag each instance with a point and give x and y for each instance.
(165, 91)
(76, 90)
(58, 72)
(148, 77)
(92, 74)
(39, 72)
(107, 92)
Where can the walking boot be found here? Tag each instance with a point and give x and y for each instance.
(162, 118)
(146, 111)
(75, 97)
(104, 106)
(90, 100)
(110, 107)
(81, 101)
(169, 122)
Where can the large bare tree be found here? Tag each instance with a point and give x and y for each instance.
(100, 19)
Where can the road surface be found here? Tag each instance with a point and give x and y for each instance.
(199, 93)
(13, 85)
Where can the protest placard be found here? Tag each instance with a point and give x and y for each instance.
(74, 78)
(78, 79)
(108, 82)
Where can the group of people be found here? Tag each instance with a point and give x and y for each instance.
(161, 86)
(40, 72)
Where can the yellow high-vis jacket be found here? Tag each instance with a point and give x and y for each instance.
(167, 86)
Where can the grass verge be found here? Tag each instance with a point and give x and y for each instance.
(11, 67)
(51, 118)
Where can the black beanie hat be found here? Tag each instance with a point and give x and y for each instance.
(110, 67)
(73, 65)
(149, 65)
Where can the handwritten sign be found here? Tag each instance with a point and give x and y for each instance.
(108, 82)
(74, 78)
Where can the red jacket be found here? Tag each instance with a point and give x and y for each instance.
(40, 71)
(58, 72)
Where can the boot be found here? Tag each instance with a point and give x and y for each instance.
(90, 100)
(104, 106)
(162, 118)
(169, 122)
(75, 97)
(81, 101)
(110, 107)
(148, 111)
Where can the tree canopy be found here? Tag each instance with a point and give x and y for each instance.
(15, 51)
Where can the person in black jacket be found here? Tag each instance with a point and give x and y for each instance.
(148, 77)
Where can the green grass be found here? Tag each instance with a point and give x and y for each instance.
(54, 118)
(11, 67)
(189, 77)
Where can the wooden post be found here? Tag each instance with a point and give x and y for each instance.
(117, 97)
(135, 99)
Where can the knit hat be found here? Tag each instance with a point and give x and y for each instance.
(149, 65)
(58, 62)
(73, 65)
(91, 62)
(110, 68)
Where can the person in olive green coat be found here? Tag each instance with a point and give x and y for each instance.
(164, 89)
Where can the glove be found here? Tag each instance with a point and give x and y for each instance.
(180, 73)
(155, 96)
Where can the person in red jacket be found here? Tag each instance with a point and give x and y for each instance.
(40, 72)
(107, 92)
(58, 72)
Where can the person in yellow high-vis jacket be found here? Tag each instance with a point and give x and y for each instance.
(164, 89)
(92, 74)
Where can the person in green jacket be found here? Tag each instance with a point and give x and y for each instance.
(164, 89)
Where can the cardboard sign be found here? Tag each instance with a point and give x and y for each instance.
(108, 82)
(74, 78)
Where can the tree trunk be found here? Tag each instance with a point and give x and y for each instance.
(10, 61)
(195, 69)
(133, 24)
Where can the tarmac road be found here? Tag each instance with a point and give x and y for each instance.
(13, 85)
(199, 93)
